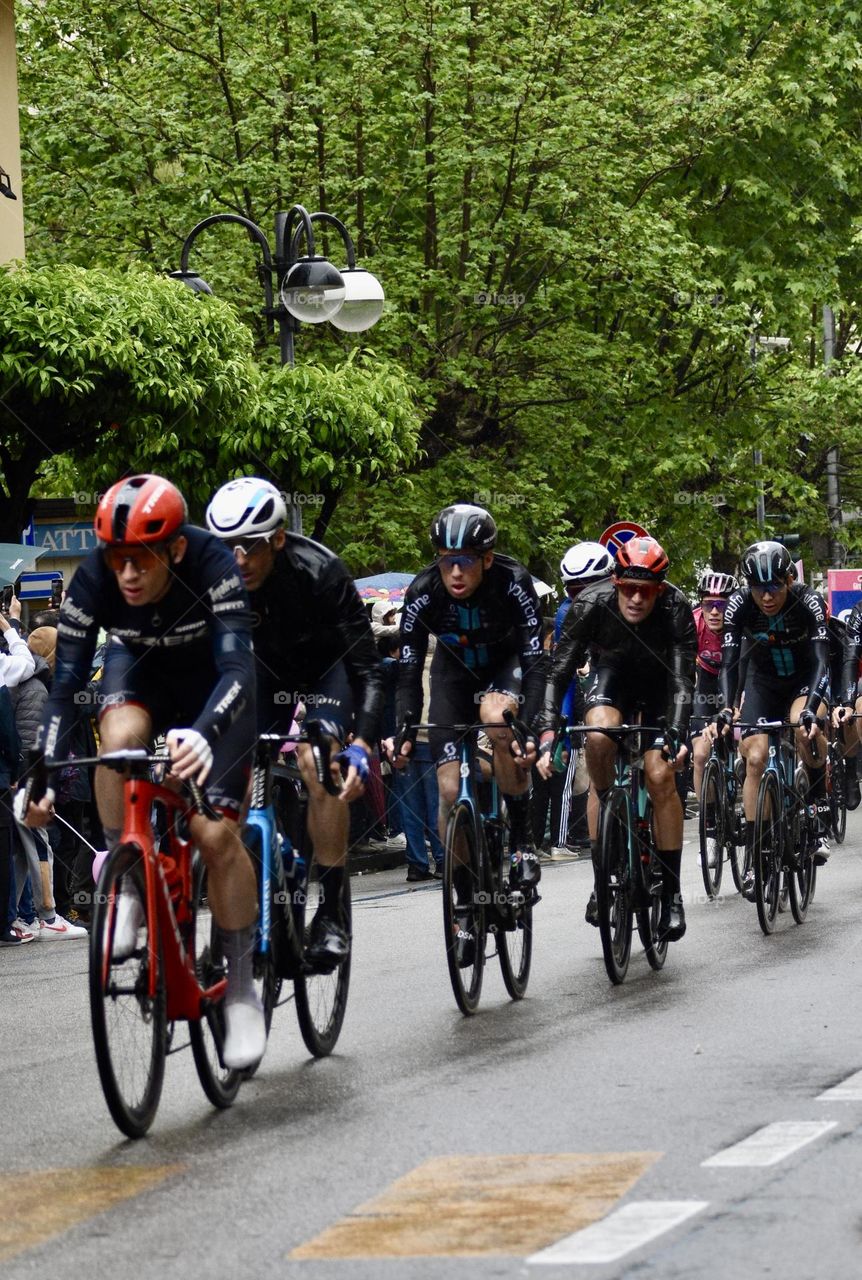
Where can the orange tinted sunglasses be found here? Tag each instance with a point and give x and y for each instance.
(141, 558)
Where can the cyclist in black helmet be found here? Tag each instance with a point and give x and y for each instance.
(483, 609)
(787, 667)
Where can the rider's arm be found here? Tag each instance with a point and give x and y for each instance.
(528, 621)
(819, 648)
(359, 652)
(77, 634)
(728, 676)
(683, 656)
(416, 625)
(230, 635)
(852, 654)
(567, 655)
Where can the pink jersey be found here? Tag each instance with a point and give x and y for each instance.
(708, 645)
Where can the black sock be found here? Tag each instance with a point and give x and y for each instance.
(670, 861)
(463, 882)
(518, 808)
(331, 883)
(817, 781)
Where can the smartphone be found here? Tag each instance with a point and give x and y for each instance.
(56, 593)
(7, 598)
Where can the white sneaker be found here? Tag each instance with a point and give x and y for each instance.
(245, 1035)
(23, 931)
(60, 927)
(559, 851)
(129, 918)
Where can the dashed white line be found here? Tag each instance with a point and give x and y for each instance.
(625, 1229)
(769, 1145)
(849, 1090)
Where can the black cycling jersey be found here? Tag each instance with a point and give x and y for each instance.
(501, 619)
(788, 644)
(308, 618)
(201, 630)
(852, 656)
(658, 652)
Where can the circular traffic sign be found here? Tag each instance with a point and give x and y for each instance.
(616, 534)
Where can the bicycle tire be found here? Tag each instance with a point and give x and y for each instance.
(120, 1003)
(613, 890)
(836, 772)
(219, 1083)
(712, 824)
(768, 834)
(321, 998)
(267, 963)
(800, 878)
(467, 980)
(515, 919)
(648, 917)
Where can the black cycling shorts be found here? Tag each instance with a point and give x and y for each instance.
(456, 697)
(174, 697)
(330, 701)
(627, 692)
(771, 697)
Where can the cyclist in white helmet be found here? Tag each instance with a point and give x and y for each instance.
(312, 643)
(714, 590)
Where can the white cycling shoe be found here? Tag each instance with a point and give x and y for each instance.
(129, 918)
(245, 1035)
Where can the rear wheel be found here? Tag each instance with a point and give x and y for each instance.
(514, 914)
(614, 887)
(768, 831)
(128, 1019)
(649, 892)
(321, 998)
(836, 775)
(463, 908)
(800, 880)
(713, 826)
(220, 1083)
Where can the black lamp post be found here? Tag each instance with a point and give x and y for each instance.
(299, 288)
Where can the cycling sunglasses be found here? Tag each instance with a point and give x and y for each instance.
(247, 546)
(718, 605)
(631, 587)
(141, 558)
(772, 587)
(457, 562)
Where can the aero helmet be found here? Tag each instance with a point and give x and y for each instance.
(586, 562)
(246, 507)
(716, 584)
(140, 509)
(764, 562)
(463, 527)
(641, 558)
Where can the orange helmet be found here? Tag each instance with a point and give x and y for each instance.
(641, 558)
(140, 509)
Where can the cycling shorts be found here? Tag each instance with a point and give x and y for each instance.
(174, 698)
(330, 701)
(628, 693)
(456, 697)
(771, 697)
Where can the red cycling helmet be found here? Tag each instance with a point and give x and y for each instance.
(140, 509)
(641, 558)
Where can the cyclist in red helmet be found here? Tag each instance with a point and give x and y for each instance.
(641, 631)
(178, 659)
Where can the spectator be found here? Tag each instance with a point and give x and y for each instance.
(9, 757)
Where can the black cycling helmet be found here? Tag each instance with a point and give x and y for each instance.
(764, 562)
(463, 527)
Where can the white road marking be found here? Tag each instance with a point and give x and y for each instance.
(849, 1090)
(769, 1145)
(620, 1232)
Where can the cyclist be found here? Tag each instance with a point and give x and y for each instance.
(312, 643)
(179, 654)
(787, 670)
(642, 631)
(483, 609)
(714, 590)
(845, 691)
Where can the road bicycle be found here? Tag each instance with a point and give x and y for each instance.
(836, 781)
(176, 971)
(629, 881)
(785, 829)
(721, 821)
(276, 835)
(488, 902)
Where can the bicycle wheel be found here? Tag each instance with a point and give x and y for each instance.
(713, 826)
(613, 891)
(836, 773)
(464, 911)
(129, 1024)
(649, 891)
(219, 1083)
(321, 998)
(515, 917)
(801, 878)
(768, 832)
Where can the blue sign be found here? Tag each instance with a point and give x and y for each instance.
(66, 540)
(37, 586)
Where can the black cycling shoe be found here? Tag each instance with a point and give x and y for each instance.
(465, 939)
(671, 924)
(591, 915)
(748, 885)
(852, 793)
(327, 944)
(526, 871)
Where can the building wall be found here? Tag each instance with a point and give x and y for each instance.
(11, 211)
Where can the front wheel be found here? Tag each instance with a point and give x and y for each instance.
(219, 1083)
(128, 1018)
(321, 998)
(614, 887)
(713, 826)
(768, 833)
(800, 879)
(836, 776)
(464, 914)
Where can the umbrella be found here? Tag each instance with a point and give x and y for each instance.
(384, 586)
(16, 559)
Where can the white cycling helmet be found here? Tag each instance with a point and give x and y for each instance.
(246, 507)
(586, 562)
(713, 583)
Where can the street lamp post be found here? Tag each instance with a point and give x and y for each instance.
(299, 288)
